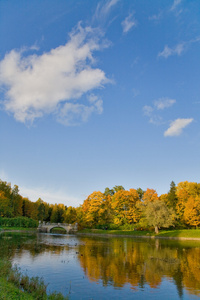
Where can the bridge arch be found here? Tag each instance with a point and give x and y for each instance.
(47, 227)
(58, 227)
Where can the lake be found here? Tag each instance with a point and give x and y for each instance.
(109, 267)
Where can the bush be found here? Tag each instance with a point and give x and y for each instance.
(18, 222)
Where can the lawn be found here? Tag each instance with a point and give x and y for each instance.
(183, 233)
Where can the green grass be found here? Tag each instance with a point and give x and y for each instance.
(11, 292)
(15, 285)
(184, 233)
(2, 228)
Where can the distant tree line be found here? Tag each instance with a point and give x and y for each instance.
(113, 208)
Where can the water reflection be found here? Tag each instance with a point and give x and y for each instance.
(113, 262)
(125, 261)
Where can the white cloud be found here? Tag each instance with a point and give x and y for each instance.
(177, 126)
(54, 81)
(128, 23)
(163, 103)
(177, 50)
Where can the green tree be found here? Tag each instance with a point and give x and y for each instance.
(70, 215)
(16, 201)
(172, 197)
(157, 214)
(109, 192)
(140, 193)
(118, 188)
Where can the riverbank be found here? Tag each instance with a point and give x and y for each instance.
(184, 234)
(13, 283)
(17, 229)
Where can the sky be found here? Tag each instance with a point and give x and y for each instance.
(95, 94)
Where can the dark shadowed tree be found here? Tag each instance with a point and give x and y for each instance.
(172, 197)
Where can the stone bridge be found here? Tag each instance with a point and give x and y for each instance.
(47, 227)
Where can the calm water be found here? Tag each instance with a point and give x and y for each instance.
(109, 268)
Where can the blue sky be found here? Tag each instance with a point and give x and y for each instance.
(98, 93)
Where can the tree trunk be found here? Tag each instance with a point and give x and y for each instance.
(156, 229)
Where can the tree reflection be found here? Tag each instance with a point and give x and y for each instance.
(120, 261)
(139, 263)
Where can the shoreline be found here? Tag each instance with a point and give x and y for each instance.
(93, 234)
(139, 236)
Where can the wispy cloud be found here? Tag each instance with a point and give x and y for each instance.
(151, 111)
(177, 50)
(129, 23)
(156, 17)
(104, 8)
(163, 103)
(54, 82)
(175, 4)
(177, 126)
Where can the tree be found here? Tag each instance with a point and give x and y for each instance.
(172, 197)
(5, 209)
(16, 201)
(157, 214)
(95, 209)
(140, 193)
(27, 207)
(58, 212)
(150, 195)
(43, 210)
(192, 211)
(70, 215)
(118, 188)
(124, 207)
(109, 192)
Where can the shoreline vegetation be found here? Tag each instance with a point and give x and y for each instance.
(183, 234)
(178, 234)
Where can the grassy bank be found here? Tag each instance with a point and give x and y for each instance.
(10, 291)
(14, 285)
(184, 233)
(11, 228)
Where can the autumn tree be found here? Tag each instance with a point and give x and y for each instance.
(185, 190)
(192, 211)
(96, 209)
(124, 207)
(150, 195)
(5, 209)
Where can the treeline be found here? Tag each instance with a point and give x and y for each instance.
(13, 205)
(113, 208)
